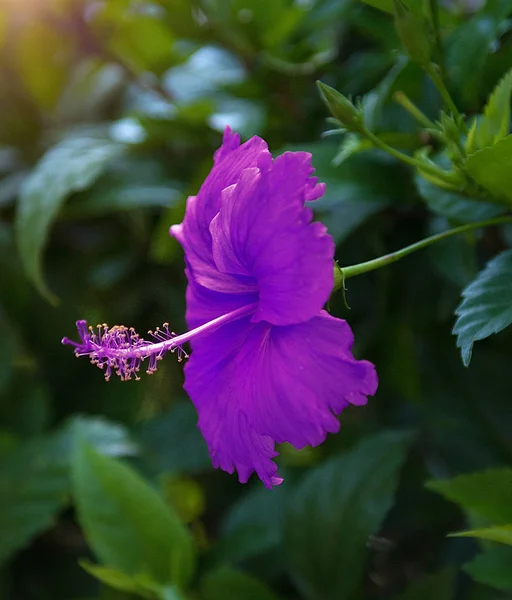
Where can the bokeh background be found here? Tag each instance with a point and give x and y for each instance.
(110, 112)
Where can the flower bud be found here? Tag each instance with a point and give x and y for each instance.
(341, 107)
(414, 29)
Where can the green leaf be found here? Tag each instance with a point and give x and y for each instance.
(469, 45)
(492, 567)
(111, 439)
(437, 585)
(456, 206)
(501, 534)
(108, 198)
(119, 580)
(486, 307)
(487, 493)
(126, 522)
(229, 584)
(33, 488)
(495, 124)
(207, 71)
(334, 511)
(244, 116)
(490, 168)
(70, 166)
(34, 478)
(140, 39)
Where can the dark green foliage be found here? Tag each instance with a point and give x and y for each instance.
(485, 308)
(109, 116)
(492, 567)
(326, 540)
(128, 525)
(439, 586)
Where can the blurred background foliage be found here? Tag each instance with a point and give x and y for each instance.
(110, 111)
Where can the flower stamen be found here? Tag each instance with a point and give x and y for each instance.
(121, 350)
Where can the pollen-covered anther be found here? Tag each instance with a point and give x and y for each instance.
(120, 350)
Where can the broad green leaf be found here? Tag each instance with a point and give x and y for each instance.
(33, 489)
(333, 512)
(438, 585)
(91, 88)
(492, 567)
(119, 580)
(244, 116)
(131, 182)
(204, 78)
(34, 478)
(501, 534)
(490, 168)
(111, 439)
(486, 306)
(495, 123)
(470, 44)
(140, 39)
(70, 166)
(128, 525)
(456, 206)
(207, 71)
(108, 198)
(488, 494)
(229, 584)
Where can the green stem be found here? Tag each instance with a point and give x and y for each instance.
(412, 109)
(433, 72)
(388, 259)
(423, 166)
(434, 13)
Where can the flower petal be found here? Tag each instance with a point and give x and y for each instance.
(264, 231)
(204, 305)
(194, 234)
(254, 384)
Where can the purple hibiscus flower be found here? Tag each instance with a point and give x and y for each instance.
(268, 364)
